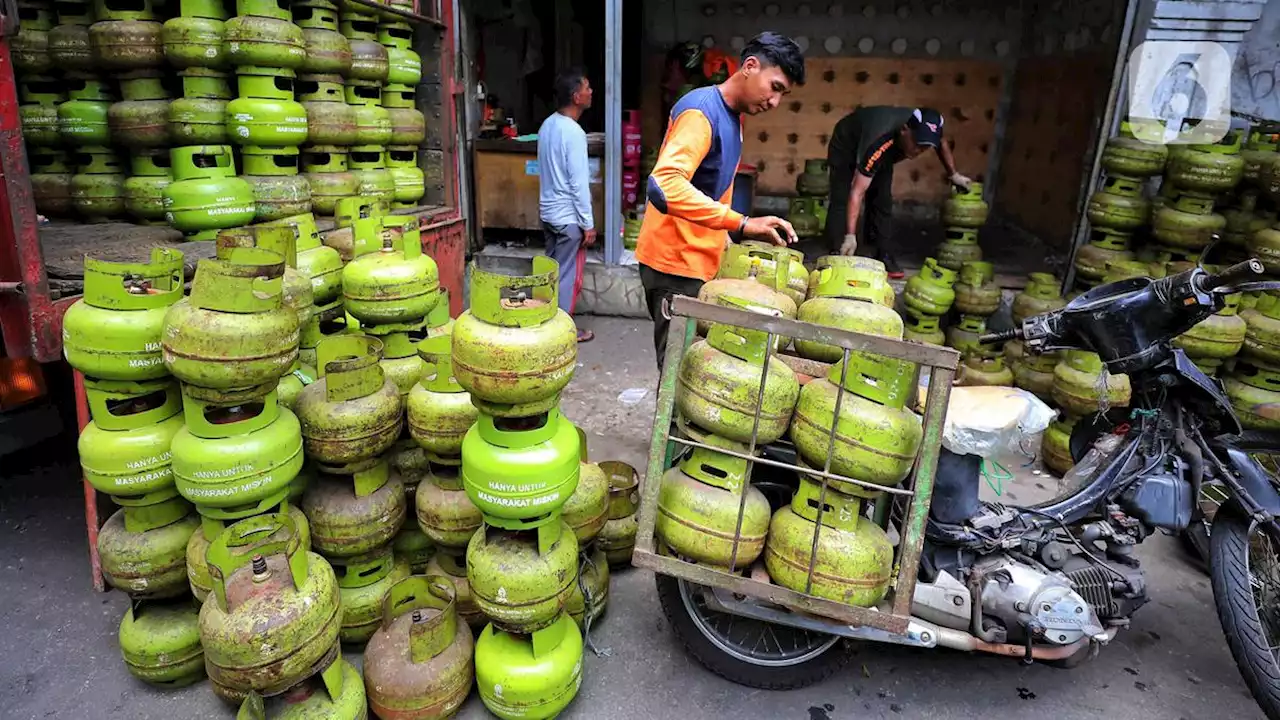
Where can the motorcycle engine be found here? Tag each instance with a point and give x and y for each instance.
(1028, 602)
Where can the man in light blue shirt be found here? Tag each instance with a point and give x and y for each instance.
(564, 187)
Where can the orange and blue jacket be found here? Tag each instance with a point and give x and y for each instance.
(688, 213)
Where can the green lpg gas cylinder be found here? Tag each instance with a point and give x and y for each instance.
(521, 677)
(1124, 154)
(50, 181)
(1077, 385)
(296, 292)
(1055, 447)
(368, 164)
(82, 119)
(408, 124)
(273, 616)
(521, 471)
(521, 580)
(1188, 223)
(113, 332)
(977, 292)
(69, 39)
(199, 117)
(38, 101)
(1031, 372)
(439, 411)
(588, 507)
(373, 122)
(959, 246)
(327, 170)
(1217, 337)
(127, 36)
(335, 694)
(400, 362)
(1264, 244)
(853, 561)
(1208, 168)
(231, 459)
(985, 371)
(97, 188)
(160, 643)
(404, 66)
(876, 436)
(1262, 337)
(1119, 205)
(590, 593)
(278, 190)
(1254, 392)
(965, 208)
(402, 163)
(356, 512)
(370, 61)
(124, 450)
(205, 194)
(353, 412)
(445, 512)
(719, 386)
(195, 37)
(144, 190)
(143, 548)
(390, 280)
(814, 180)
(849, 299)
(315, 260)
(698, 508)
(925, 329)
(265, 113)
(198, 576)
(514, 350)
(411, 545)
(1103, 247)
(438, 320)
(330, 120)
(1041, 295)
(764, 287)
(1259, 151)
(797, 275)
(617, 539)
(292, 383)
(363, 583)
(263, 41)
(963, 336)
(233, 332)
(751, 260)
(932, 290)
(420, 661)
(327, 50)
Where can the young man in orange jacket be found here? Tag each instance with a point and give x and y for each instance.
(688, 219)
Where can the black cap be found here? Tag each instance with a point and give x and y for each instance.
(926, 126)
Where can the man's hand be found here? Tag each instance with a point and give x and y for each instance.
(588, 237)
(850, 244)
(770, 229)
(961, 181)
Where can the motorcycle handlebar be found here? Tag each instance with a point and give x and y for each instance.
(1238, 273)
(1003, 335)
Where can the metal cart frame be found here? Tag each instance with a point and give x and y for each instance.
(664, 447)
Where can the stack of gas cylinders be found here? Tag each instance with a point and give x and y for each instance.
(128, 114)
(808, 210)
(855, 428)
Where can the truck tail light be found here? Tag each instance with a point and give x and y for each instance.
(21, 381)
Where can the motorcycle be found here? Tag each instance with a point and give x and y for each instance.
(1056, 581)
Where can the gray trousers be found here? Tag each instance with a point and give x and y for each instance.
(564, 245)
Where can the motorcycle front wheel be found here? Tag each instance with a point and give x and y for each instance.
(745, 651)
(1244, 565)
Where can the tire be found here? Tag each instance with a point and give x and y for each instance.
(735, 670)
(1233, 596)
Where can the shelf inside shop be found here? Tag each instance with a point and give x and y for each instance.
(387, 10)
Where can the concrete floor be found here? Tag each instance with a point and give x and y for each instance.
(62, 660)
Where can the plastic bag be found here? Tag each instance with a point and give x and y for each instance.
(995, 422)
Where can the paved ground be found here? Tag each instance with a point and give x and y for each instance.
(61, 659)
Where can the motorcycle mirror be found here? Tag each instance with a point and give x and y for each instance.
(1214, 239)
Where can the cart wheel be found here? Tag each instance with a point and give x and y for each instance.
(745, 651)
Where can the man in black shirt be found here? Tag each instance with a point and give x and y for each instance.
(864, 147)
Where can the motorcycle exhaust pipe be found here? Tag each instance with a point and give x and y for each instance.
(963, 641)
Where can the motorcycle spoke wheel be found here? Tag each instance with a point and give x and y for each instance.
(747, 651)
(1245, 570)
